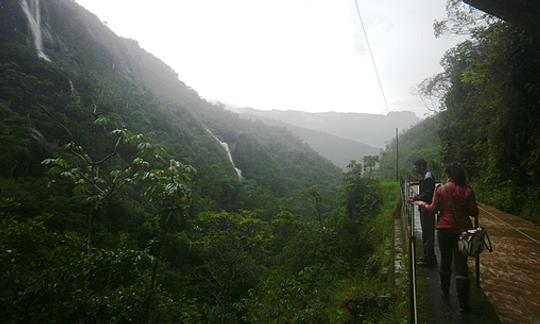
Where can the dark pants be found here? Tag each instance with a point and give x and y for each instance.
(449, 250)
(427, 221)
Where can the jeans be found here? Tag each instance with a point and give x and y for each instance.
(427, 221)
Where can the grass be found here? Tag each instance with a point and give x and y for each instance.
(368, 296)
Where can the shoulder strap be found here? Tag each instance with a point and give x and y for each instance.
(488, 247)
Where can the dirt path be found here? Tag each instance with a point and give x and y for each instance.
(510, 276)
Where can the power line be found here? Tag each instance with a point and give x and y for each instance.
(371, 55)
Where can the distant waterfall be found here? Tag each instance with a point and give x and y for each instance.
(33, 14)
(226, 147)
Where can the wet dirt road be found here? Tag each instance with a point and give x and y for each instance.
(510, 276)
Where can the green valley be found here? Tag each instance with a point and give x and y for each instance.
(126, 197)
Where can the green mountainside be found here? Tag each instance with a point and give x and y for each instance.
(94, 69)
(420, 141)
(119, 201)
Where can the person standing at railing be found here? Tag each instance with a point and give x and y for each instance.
(456, 202)
(427, 219)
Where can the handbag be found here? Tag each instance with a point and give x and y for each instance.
(471, 242)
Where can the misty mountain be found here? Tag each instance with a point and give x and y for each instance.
(89, 70)
(336, 149)
(120, 199)
(371, 129)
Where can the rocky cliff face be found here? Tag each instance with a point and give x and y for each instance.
(13, 26)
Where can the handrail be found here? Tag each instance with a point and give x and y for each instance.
(407, 215)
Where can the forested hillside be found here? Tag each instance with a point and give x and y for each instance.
(489, 95)
(420, 141)
(97, 73)
(118, 203)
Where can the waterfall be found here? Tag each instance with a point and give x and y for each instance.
(33, 14)
(228, 151)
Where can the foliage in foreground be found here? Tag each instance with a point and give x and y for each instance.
(216, 267)
(101, 224)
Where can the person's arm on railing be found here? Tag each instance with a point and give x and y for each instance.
(427, 193)
(434, 206)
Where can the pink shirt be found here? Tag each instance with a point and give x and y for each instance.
(464, 203)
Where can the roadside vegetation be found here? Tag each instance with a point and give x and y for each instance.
(486, 112)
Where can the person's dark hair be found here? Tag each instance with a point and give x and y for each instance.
(456, 172)
(421, 163)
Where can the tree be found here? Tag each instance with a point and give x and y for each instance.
(462, 19)
(232, 248)
(315, 194)
(362, 199)
(487, 92)
(370, 162)
(166, 189)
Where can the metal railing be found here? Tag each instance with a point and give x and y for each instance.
(407, 224)
(408, 189)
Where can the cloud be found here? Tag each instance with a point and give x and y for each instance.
(308, 54)
(360, 44)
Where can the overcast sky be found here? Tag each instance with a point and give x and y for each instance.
(308, 55)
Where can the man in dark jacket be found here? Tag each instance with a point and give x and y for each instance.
(427, 220)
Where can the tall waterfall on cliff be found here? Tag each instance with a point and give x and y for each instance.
(33, 14)
(228, 151)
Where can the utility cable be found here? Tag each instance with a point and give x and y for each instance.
(371, 55)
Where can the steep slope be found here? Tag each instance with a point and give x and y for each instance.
(371, 129)
(93, 70)
(336, 149)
